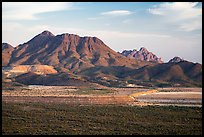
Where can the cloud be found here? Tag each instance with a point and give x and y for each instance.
(118, 34)
(98, 33)
(194, 25)
(29, 10)
(105, 35)
(117, 13)
(186, 15)
(179, 10)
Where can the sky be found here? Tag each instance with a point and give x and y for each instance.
(167, 29)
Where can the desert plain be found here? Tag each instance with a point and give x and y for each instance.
(104, 95)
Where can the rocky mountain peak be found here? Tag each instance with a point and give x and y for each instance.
(46, 33)
(40, 38)
(6, 45)
(143, 49)
(143, 55)
(176, 59)
(67, 37)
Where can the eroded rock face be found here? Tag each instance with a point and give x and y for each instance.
(176, 60)
(143, 55)
(21, 69)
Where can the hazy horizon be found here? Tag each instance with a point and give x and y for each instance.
(166, 29)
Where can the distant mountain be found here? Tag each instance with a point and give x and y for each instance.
(68, 51)
(176, 60)
(143, 55)
(184, 73)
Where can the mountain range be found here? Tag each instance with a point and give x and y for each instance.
(90, 60)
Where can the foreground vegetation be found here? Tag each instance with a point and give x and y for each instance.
(59, 119)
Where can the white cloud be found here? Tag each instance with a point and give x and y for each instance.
(29, 10)
(105, 35)
(98, 33)
(117, 13)
(118, 34)
(194, 25)
(186, 15)
(178, 10)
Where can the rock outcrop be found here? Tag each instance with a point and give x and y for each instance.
(7, 50)
(176, 60)
(143, 55)
(14, 71)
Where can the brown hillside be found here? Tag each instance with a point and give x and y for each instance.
(69, 51)
(182, 72)
(7, 50)
(13, 71)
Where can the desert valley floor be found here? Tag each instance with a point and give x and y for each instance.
(120, 96)
(71, 110)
